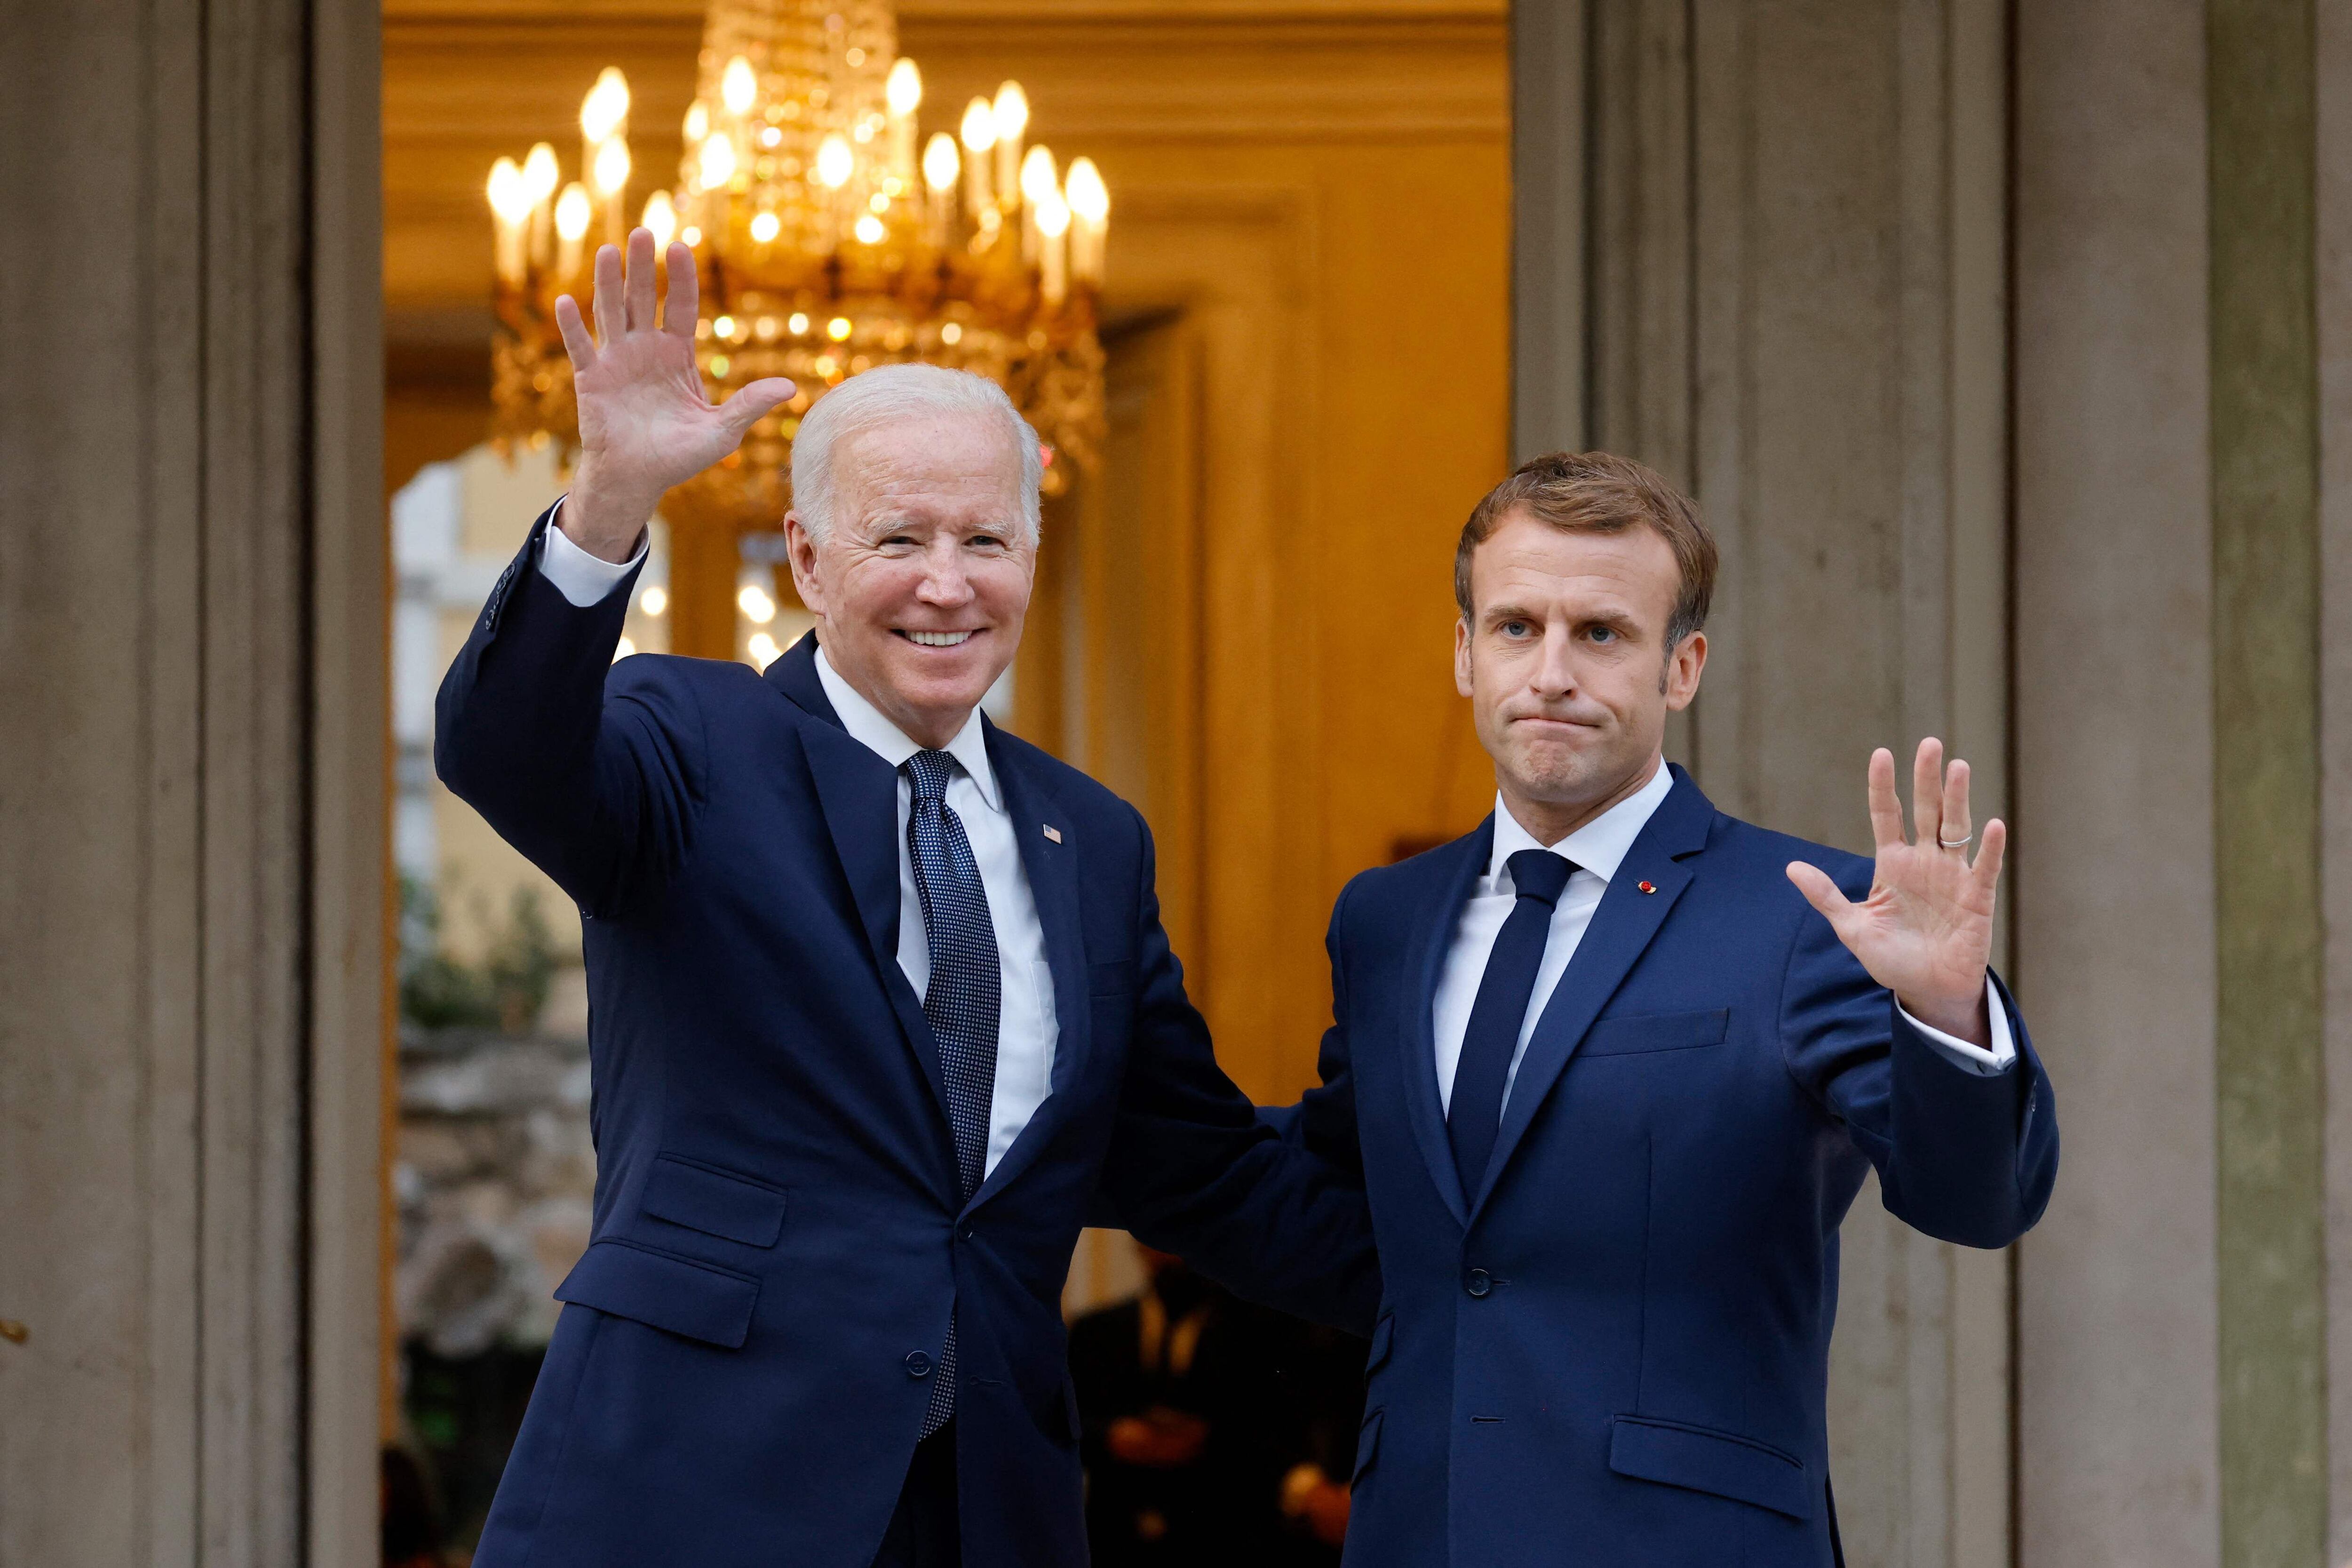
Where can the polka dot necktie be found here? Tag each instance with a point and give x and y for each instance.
(1473, 1115)
(963, 999)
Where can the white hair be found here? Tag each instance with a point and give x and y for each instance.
(888, 393)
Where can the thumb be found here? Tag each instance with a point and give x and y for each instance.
(1819, 891)
(753, 404)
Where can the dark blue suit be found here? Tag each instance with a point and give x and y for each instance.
(741, 1372)
(1616, 1351)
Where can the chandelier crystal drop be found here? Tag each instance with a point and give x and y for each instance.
(830, 237)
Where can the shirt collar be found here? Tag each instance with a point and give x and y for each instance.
(1600, 845)
(866, 724)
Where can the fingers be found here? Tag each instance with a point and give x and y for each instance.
(685, 302)
(638, 290)
(1954, 830)
(1885, 811)
(578, 342)
(1819, 890)
(1927, 790)
(610, 321)
(1988, 858)
(753, 404)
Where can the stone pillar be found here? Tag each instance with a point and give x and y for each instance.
(191, 826)
(1793, 275)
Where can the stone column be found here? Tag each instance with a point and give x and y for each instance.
(1793, 275)
(191, 785)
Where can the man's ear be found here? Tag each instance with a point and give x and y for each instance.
(1462, 655)
(801, 550)
(1684, 666)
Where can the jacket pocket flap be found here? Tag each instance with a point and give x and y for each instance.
(667, 1291)
(1383, 1341)
(1657, 1032)
(715, 1202)
(1710, 1462)
(1367, 1443)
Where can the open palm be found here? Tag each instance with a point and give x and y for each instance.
(645, 424)
(1924, 931)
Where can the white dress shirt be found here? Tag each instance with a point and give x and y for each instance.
(1597, 850)
(1027, 1030)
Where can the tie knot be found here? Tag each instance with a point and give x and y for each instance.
(1540, 874)
(928, 772)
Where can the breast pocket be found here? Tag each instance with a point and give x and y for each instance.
(1657, 1032)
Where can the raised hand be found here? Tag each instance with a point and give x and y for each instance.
(1925, 930)
(645, 424)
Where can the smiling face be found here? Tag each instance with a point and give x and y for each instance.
(919, 587)
(1564, 659)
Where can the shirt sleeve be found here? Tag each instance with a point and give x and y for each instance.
(1958, 1052)
(581, 578)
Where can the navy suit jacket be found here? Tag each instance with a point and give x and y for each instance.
(1615, 1351)
(742, 1367)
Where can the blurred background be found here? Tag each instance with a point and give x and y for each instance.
(2007, 347)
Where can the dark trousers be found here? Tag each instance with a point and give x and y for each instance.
(923, 1533)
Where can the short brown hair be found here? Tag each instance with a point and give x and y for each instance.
(1599, 492)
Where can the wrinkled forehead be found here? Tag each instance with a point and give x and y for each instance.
(945, 466)
(1534, 567)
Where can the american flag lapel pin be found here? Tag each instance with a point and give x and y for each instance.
(1053, 833)
(1646, 887)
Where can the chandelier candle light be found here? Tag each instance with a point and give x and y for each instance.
(830, 237)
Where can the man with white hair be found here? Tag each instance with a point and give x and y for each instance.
(881, 1005)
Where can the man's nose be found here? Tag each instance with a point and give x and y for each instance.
(945, 580)
(1555, 672)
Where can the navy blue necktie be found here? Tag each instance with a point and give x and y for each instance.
(1475, 1111)
(964, 998)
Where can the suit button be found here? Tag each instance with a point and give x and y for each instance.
(918, 1365)
(966, 1234)
(1477, 1282)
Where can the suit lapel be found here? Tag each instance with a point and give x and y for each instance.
(1425, 964)
(859, 795)
(1053, 870)
(1621, 932)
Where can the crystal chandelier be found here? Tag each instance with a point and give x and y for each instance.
(827, 244)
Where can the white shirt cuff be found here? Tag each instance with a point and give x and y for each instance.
(1968, 1057)
(580, 577)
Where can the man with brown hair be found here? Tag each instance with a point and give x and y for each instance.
(1614, 1065)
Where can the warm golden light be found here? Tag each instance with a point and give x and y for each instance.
(952, 333)
(623, 650)
(661, 217)
(765, 226)
(1011, 112)
(1052, 213)
(940, 164)
(869, 229)
(757, 606)
(573, 211)
(510, 195)
(717, 162)
(835, 162)
(612, 172)
(903, 90)
(763, 651)
(653, 601)
(606, 106)
(1089, 198)
(798, 323)
(738, 87)
(697, 122)
(538, 172)
(978, 125)
(837, 329)
(723, 328)
(1038, 179)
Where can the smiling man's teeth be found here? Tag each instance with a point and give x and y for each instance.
(939, 639)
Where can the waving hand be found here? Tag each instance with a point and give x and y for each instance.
(645, 424)
(1925, 930)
